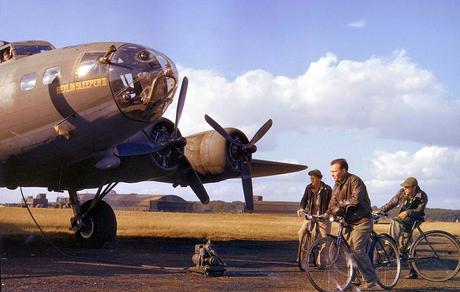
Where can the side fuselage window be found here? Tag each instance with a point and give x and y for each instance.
(28, 81)
(51, 74)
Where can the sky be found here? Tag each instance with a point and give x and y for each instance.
(370, 81)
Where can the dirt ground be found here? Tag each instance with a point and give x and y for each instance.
(150, 264)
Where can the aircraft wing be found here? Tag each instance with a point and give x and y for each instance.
(267, 168)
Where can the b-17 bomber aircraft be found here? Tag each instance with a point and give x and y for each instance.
(91, 116)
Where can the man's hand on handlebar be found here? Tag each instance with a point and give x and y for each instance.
(380, 212)
(403, 215)
(300, 212)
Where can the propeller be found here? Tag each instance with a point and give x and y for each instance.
(191, 176)
(244, 152)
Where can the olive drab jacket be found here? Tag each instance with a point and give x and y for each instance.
(414, 206)
(309, 199)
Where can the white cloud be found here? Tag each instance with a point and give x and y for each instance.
(385, 97)
(436, 168)
(428, 163)
(362, 23)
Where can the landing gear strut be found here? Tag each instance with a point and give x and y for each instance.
(94, 222)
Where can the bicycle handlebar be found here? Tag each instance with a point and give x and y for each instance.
(312, 217)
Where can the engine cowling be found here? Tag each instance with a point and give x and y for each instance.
(210, 153)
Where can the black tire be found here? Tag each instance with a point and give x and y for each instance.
(100, 225)
(436, 255)
(335, 265)
(303, 250)
(385, 259)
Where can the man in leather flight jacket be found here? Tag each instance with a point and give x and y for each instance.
(350, 190)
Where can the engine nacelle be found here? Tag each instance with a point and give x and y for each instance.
(210, 153)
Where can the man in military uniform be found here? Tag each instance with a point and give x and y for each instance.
(315, 201)
(6, 55)
(412, 201)
(350, 190)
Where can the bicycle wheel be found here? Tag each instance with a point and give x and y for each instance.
(334, 269)
(385, 259)
(303, 250)
(435, 255)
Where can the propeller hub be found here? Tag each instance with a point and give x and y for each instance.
(249, 149)
(179, 142)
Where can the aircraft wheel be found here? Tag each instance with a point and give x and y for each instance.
(100, 225)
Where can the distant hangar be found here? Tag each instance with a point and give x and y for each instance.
(135, 202)
(170, 203)
(173, 203)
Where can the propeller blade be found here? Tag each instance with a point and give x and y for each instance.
(198, 188)
(247, 185)
(193, 180)
(221, 130)
(136, 149)
(180, 103)
(261, 132)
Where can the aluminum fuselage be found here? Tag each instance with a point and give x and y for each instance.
(83, 110)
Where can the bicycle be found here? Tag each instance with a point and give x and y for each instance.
(336, 266)
(434, 255)
(307, 240)
(385, 261)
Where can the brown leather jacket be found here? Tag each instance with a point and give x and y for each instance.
(309, 198)
(351, 190)
(414, 206)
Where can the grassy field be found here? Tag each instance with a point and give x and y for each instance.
(222, 226)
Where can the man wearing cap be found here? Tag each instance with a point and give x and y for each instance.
(412, 201)
(315, 201)
(350, 191)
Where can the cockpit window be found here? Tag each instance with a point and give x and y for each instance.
(51, 74)
(90, 65)
(31, 50)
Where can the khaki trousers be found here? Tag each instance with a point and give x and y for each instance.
(398, 229)
(324, 229)
(358, 237)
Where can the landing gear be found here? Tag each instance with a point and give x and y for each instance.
(99, 225)
(94, 222)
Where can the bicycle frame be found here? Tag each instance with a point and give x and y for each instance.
(406, 247)
(374, 236)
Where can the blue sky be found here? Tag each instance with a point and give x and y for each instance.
(372, 81)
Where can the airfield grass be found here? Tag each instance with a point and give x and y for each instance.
(216, 226)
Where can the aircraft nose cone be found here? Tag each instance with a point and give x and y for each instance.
(143, 82)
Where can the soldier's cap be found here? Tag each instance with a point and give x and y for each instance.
(316, 173)
(410, 182)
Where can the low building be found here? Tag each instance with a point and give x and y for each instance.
(62, 202)
(40, 201)
(277, 207)
(135, 202)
